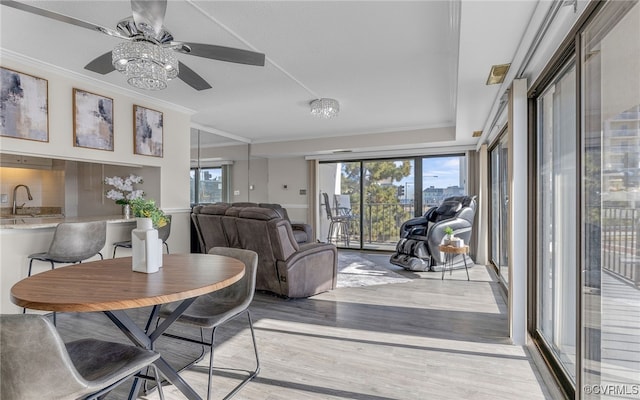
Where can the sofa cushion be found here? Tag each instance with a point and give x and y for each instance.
(263, 214)
(233, 211)
(244, 204)
(275, 206)
(213, 209)
(210, 230)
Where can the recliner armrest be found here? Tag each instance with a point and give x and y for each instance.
(299, 226)
(313, 264)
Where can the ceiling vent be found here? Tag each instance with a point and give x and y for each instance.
(477, 133)
(497, 74)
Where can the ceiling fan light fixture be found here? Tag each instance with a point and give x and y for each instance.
(145, 64)
(325, 108)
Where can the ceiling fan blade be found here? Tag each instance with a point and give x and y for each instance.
(222, 53)
(62, 18)
(191, 78)
(149, 15)
(101, 64)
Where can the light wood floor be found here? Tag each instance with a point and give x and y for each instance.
(426, 339)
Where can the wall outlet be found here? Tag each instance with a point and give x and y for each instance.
(4, 198)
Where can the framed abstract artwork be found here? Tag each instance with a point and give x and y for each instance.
(92, 120)
(24, 106)
(147, 131)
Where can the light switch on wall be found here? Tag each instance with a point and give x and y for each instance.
(4, 198)
(236, 193)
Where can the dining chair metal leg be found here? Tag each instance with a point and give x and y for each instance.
(252, 374)
(211, 345)
(156, 374)
(210, 377)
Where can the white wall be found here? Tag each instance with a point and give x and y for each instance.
(291, 172)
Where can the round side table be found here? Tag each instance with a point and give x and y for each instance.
(450, 252)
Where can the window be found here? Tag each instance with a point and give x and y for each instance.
(209, 183)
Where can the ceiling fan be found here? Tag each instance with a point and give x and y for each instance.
(149, 48)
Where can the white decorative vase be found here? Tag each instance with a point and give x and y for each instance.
(146, 257)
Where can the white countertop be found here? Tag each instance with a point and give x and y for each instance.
(29, 222)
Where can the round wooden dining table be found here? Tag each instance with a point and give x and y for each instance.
(111, 286)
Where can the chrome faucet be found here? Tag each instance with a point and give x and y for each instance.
(15, 189)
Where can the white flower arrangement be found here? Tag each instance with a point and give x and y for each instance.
(124, 191)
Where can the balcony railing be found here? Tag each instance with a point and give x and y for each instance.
(620, 238)
(382, 223)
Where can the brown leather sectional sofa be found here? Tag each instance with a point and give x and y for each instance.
(285, 267)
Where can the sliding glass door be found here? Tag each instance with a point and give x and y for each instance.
(587, 291)
(380, 195)
(499, 230)
(610, 267)
(442, 177)
(388, 201)
(557, 218)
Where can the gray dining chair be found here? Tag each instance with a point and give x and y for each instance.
(163, 234)
(73, 242)
(36, 364)
(214, 309)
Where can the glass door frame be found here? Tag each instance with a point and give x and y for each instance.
(502, 136)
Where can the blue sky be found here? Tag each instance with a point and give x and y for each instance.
(440, 172)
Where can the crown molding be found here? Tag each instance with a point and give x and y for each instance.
(423, 151)
(209, 129)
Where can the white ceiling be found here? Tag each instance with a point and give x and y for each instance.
(392, 65)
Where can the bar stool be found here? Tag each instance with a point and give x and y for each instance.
(73, 242)
(339, 223)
